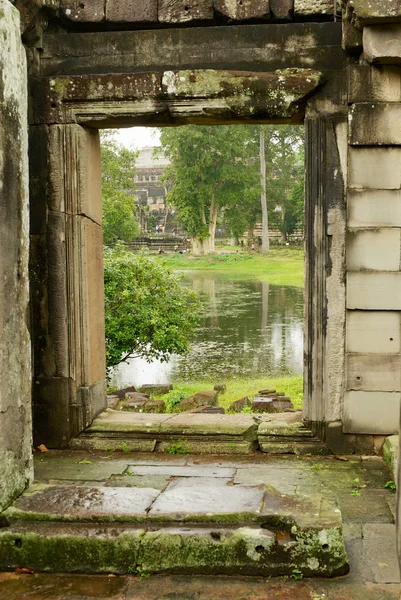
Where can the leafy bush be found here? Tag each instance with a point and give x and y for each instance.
(147, 313)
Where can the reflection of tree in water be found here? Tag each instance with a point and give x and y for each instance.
(249, 328)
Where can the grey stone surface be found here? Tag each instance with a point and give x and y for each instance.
(82, 503)
(181, 11)
(242, 10)
(155, 482)
(313, 7)
(380, 547)
(173, 471)
(15, 346)
(52, 466)
(126, 11)
(206, 496)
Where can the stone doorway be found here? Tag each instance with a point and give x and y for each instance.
(69, 339)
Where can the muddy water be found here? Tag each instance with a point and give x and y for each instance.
(248, 328)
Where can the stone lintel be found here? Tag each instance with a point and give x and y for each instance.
(270, 47)
(207, 96)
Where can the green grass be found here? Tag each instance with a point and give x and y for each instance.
(282, 266)
(237, 388)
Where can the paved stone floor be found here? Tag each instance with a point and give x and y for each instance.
(357, 485)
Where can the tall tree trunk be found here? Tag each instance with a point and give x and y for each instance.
(265, 218)
(251, 230)
(234, 241)
(214, 211)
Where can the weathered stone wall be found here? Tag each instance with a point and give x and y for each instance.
(15, 370)
(173, 12)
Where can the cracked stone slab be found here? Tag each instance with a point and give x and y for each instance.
(206, 496)
(71, 468)
(80, 503)
(176, 471)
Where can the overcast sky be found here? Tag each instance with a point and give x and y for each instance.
(139, 137)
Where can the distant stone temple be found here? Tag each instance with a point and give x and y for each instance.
(151, 192)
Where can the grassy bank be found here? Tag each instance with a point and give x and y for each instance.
(282, 266)
(237, 388)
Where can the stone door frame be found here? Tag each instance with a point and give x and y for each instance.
(66, 255)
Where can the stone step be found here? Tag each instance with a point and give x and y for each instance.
(284, 435)
(197, 525)
(174, 433)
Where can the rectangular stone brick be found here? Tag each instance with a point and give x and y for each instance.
(374, 372)
(374, 208)
(282, 9)
(307, 8)
(376, 11)
(382, 44)
(131, 11)
(376, 250)
(374, 291)
(375, 124)
(371, 412)
(370, 83)
(242, 10)
(373, 331)
(375, 168)
(83, 11)
(181, 11)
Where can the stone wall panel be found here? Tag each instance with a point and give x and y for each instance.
(375, 124)
(308, 8)
(382, 44)
(373, 331)
(375, 168)
(129, 11)
(242, 10)
(374, 208)
(83, 11)
(183, 11)
(374, 372)
(371, 412)
(375, 250)
(15, 349)
(374, 291)
(282, 9)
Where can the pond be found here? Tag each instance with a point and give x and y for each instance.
(248, 329)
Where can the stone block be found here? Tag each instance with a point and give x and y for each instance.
(374, 372)
(351, 38)
(239, 405)
(282, 9)
(242, 10)
(371, 412)
(374, 291)
(373, 331)
(83, 11)
(379, 543)
(375, 168)
(182, 11)
(208, 398)
(121, 393)
(382, 44)
(158, 389)
(375, 250)
(374, 83)
(376, 11)
(308, 8)
(131, 11)
(374, 208)
(375, 124)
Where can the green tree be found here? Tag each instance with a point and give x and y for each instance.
(211, 170)
(147, 313)
(118, 171)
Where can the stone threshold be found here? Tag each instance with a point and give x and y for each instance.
(282, 433)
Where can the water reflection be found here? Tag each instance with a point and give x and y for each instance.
(248, 328)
